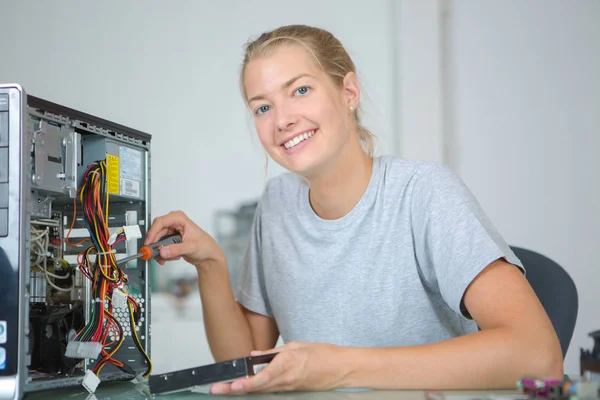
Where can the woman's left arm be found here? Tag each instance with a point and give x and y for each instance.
(516, 340)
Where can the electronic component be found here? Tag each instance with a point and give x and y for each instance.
(90, 381)
(200, 379)
(74, 199)
(556, 389)
(152, 250)
(125, 165)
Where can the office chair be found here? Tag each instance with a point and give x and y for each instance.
(555, 289)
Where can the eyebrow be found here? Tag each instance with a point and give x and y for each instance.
(285, 85)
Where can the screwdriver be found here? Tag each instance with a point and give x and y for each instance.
(152, 250)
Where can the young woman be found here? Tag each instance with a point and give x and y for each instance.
(377, 272)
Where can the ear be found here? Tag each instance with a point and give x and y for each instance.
(351, 90)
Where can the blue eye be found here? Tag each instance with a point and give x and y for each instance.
(262, 109)
(302, 90)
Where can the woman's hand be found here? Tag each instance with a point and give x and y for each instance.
(297, 367)
(196, 247)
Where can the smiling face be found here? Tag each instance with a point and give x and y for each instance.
(303, 119)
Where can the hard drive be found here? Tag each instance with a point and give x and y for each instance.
(200, 379)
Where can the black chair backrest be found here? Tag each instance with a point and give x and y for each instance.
(555, 289)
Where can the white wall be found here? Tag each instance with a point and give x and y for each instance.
(171, 69)
(522, 85)
(525, 131)
(420, 89)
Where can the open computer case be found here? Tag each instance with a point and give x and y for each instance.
(74, 199)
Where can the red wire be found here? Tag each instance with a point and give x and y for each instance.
(94, 213)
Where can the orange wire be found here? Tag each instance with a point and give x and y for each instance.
(73, 224)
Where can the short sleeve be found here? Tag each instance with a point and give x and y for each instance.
(250, 289)
(454, 239)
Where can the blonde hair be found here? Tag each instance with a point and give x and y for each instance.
(326, 49)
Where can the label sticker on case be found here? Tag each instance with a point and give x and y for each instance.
(112, 173)
(2, 358)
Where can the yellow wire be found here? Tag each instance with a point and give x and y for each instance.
(113, 258)
(82, 190)
(104, 260)
(96, 229)
(121, 340)
(102, 165)
(135, 337)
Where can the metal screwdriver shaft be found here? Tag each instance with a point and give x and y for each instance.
(125, 260)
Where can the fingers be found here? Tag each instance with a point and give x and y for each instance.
(221, 388)
(163, 261)
(237, 387)
(176, 250)
(269, 379)
(172, 222)
(156, 232)
(264, 381)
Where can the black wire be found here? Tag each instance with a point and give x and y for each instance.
(94, 219)
(137, 342)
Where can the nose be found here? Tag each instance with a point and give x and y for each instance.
(286, 118)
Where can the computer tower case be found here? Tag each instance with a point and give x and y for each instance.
(74, 199)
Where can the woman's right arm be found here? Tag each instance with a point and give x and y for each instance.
(232, 331)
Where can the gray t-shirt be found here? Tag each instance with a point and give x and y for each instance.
(391, 272)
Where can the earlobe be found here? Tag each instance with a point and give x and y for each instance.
(351, 90)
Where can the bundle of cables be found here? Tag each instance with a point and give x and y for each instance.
(40, 240)
(107, 279)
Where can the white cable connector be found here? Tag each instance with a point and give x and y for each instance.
(139, 378)
(112, 238)
(132, 232)
(119, 299)
(83, 349)
(90, 381)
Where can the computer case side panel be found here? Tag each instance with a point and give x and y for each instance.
(14, 245)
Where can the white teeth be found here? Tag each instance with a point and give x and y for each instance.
(303, 136)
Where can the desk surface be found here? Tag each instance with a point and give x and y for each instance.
(129, 391)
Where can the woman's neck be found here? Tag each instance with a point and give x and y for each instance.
(335, 193)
